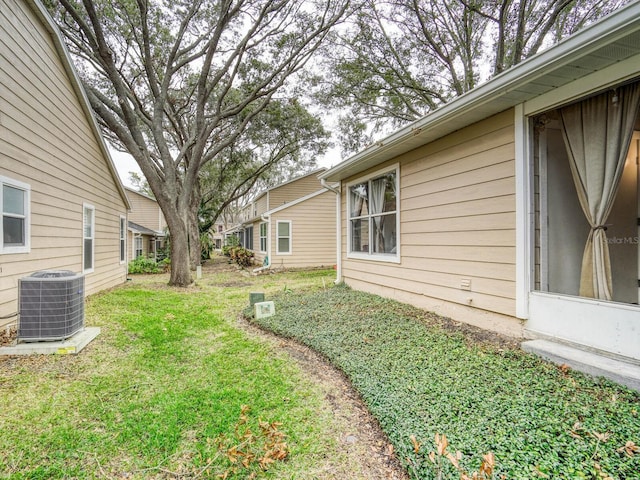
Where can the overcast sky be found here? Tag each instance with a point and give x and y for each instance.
(125, 163)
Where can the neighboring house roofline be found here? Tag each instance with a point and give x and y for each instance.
(249, 221)
(317, 171)
(46, 20)
(233, 229)
(295, 202)
(282, 207)
(539, 74)
(134, 227)
(129, 189)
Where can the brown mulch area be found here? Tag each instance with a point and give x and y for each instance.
(7, 336)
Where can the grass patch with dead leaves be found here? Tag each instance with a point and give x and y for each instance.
(172, 388)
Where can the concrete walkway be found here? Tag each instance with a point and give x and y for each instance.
(618, 371)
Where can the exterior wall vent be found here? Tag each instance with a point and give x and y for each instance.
(51, 305)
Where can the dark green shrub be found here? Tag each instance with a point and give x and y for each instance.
(144, 265)
(207, 245)
(229, 244)
(420, 374)
(164, 264)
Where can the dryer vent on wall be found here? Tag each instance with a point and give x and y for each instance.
(51, 305)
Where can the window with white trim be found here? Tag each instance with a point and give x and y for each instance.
(373, 216)
(88, 237)
(283, 237)
(14, 206)
(123, 239)
(137, 246)
(263, 237)
(248, 238)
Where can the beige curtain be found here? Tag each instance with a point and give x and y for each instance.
(597, 132)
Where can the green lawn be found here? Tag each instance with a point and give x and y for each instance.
(159, 393)
(419, 378)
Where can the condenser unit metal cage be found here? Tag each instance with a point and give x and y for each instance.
(51, 305)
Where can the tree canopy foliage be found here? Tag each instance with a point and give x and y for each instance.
(397, 60)
(284, 140)
(176, 83)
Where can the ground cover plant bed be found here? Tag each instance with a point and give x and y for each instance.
(174, 387)
(421, 375)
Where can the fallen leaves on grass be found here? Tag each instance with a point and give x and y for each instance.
(249, 453)
(629, 449)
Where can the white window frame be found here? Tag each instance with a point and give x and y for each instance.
(138, 240)
(248, 237)
(26, 188)
(278, 237)
(553, 315)
(263, 238)
(123, 239)
(377, 257)
(92, 209)
(576, 90)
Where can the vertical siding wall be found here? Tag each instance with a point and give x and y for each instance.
(293, 190)
(262, 204)
(145, 211)
(313, 233)
(46, 141)
(457, 222)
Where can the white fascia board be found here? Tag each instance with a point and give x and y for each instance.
(233, 229)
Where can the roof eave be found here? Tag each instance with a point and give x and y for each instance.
(613, 27)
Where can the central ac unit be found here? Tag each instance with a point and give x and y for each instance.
(51, 305)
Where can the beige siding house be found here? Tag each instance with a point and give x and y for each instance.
(147, 226)
(292, 225)
(62, 203)
(477, 211)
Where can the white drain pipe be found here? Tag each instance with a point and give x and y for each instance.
(336, 190)
(267, 220)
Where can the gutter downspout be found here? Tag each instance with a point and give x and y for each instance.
(267, 220)
(336, 190)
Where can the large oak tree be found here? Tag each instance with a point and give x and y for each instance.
(176, 82)
(397, 60)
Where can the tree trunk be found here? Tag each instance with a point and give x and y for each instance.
(195, 249)
(180, 271)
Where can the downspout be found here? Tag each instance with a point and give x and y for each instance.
(336, 190)
(267, 266)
